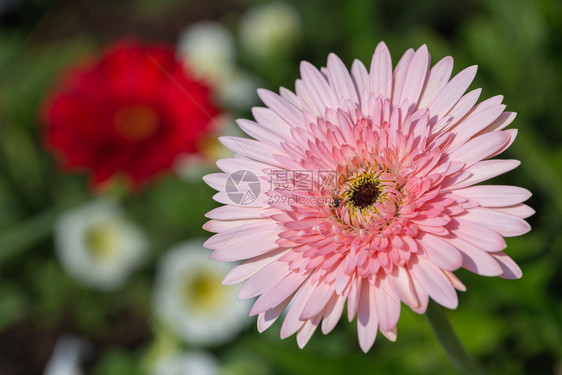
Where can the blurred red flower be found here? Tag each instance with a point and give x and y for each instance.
(128, 114)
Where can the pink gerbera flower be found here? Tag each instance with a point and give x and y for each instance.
(368, 195)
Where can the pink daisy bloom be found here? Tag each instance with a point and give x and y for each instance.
(369, 195)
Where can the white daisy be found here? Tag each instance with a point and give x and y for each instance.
(191, 363)
(191, 300)
(208, 49)
(68, 353)
(98, 246)
(239, 90)
(269, 29)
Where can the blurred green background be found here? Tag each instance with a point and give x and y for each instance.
(512, 326)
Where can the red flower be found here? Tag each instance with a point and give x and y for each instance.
(131, 113)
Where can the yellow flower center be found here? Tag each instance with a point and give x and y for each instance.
(101, 242)
(136, 122)
(203, 292)
(361, 191)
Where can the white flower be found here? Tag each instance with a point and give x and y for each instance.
(269, 29)
(207, 49)
(189, 363)
(67, 355)
(98, 246)
(191, 300)
(239, 90)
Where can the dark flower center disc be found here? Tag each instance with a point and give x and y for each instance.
(365, 194)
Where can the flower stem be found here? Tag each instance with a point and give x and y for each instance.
(446, 336)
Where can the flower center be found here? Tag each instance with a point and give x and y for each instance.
(361, 191)
(101, 241)
(136, 122)
(365, 194)
(204, 291)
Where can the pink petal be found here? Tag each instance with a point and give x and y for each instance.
(380, 76)
(332, 313)
(261, 133)
(512, 135)
(263, 279)
(437, 285)
(317, 301)
(360, 77)
(290, 96)
(494, 195)
(252, 149)
(340, 80)
(217, 226)
(367, 322)
(237, 213)
(438, 77)
(475, 122)
(475, 259)
(292, 323)
(459, 110)
(305, 332)
(479, 148)
(452, 92)
(316, 85)
(510, 269)
(440, 252)
(421, 294)
(387, 305)
(485, 170)
(402, 284)
(267, 318)
(231, 165)
(490, 102)
(480, 262)
(278, 292)
(482, 236)
(249, 268)
(415, 76)
(216, 180)
(519, 210)
(270, 120)
(457, 284)
(245, 242)
(390, 334)
(503, 121)
(505, 224)
(224, 198)
(353, 297)
(287, 111)
(399, 74)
